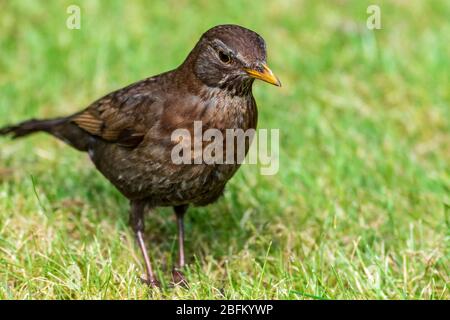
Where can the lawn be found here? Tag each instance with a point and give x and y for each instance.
(358, 210)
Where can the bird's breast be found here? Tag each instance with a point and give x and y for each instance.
(224, 110)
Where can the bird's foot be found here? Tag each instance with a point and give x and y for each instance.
(154, 283)
(178, 278)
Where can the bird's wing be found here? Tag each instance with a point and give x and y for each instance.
(119, 117)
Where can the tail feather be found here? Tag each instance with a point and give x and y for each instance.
(31, 126)
(61, 128)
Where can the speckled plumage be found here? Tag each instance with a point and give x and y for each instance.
(127, 133)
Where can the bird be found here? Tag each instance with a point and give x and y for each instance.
(127, 133)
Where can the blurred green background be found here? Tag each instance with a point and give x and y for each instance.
(358, 210)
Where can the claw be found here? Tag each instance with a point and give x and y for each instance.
(178, 279)
(151, 283)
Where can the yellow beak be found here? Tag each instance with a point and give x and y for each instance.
(267, 75)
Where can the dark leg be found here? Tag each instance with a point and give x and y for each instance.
(178, 277)
(137, 223)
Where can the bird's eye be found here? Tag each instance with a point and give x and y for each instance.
(225, 58)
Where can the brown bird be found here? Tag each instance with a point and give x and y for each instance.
(128, 133)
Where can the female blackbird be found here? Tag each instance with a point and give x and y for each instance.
(127, 133)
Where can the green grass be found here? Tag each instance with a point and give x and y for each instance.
(360, 206)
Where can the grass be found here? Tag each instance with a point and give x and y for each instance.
(358, 210)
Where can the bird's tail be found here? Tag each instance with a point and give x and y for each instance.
(62, 128)
(31, 126)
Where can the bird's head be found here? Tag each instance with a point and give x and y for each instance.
(231, 57)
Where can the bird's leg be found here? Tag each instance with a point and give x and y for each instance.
(179, 212)
(177, 275)
(137, 223)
